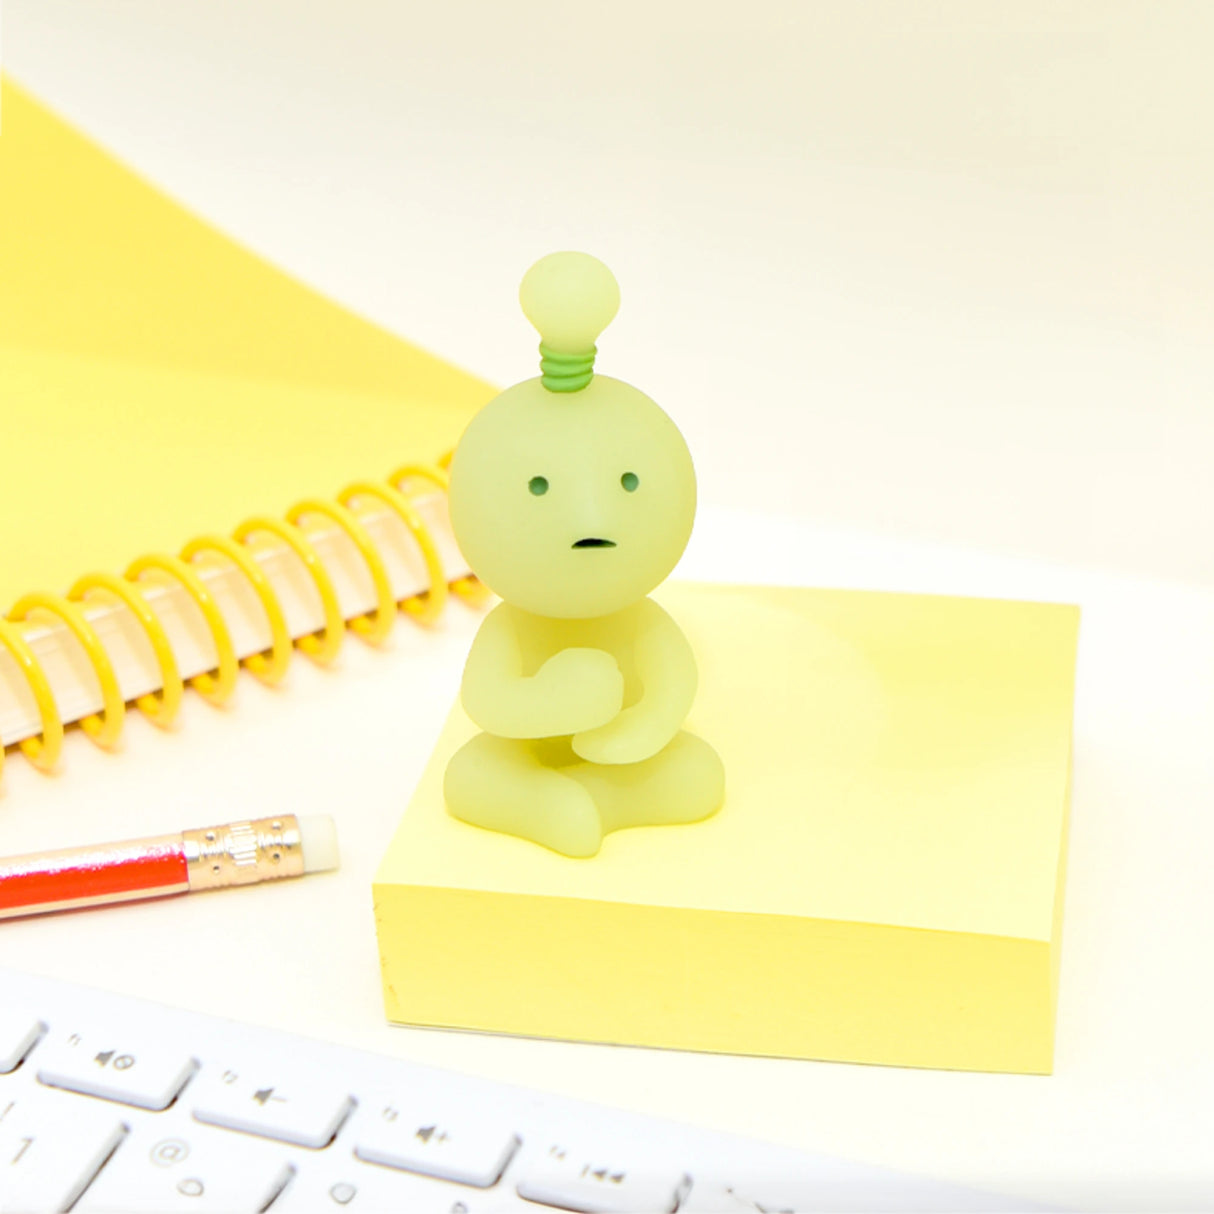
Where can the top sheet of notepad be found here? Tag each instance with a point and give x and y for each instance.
(890, 759)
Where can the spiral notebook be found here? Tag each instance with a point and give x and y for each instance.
(160, 383)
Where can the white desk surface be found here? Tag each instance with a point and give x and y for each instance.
(1126, 1120)
(933, 295)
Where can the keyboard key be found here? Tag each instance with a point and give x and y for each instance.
(460, 1148)
(159, 1171)
(18, 1032)
(307, 1112)
(572, 1181)
(345, 1185)
(723, 1199)
(144, 1074)
(51, 1149)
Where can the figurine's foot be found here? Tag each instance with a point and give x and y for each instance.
(500, 784)
(685, 782)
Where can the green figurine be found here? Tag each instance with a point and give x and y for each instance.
(572, 497)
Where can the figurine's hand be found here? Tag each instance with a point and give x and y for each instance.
(635, 735)
(585, 684)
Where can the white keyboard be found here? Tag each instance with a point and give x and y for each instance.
(115, 1104)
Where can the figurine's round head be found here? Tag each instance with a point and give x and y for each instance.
(572, 495)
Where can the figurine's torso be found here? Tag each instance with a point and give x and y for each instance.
(540, 638)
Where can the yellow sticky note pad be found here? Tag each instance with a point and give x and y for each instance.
(884, 883)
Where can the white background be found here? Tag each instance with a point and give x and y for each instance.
(927, 285)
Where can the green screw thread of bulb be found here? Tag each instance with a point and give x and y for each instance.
(566, 372)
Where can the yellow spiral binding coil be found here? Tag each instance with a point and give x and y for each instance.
(322, 648)
(271, 670)
(217, 685)
(104, 728)
(161, 708)
(42, 751)
(427, 605)
(469, 588)
(378, 624)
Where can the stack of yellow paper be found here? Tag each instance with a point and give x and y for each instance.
(884, 883)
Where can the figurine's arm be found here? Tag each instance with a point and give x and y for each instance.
(576, 689)
(666, 668)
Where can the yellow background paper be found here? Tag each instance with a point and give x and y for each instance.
(158, 380)
(883, 884)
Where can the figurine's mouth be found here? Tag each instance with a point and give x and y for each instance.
(594, 543)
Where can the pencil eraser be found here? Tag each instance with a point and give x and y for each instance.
(318, 839)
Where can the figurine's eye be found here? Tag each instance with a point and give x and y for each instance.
(538, 485)
(630, 481)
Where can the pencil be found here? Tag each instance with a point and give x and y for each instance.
(213, 857)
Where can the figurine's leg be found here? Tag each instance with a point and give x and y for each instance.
(501, 784)
(685, 782)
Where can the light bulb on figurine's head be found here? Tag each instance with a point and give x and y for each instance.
(573, 494)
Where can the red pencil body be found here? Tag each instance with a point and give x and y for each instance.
(60, 880)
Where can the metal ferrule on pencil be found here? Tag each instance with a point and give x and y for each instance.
(244, 853)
